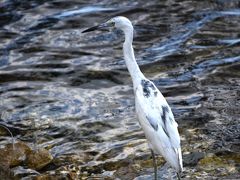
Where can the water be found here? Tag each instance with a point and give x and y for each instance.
(77, 89)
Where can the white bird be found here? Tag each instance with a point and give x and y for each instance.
(154, 114)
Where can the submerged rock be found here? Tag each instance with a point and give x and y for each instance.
(5, 172)
(64, 159)
(192, 158)
(220, 165)
(126, 171)
(14, 154)
(38, 159)
(71, 172)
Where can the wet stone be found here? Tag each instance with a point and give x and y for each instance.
(62, 160)
(3, 132)
(39, 159)
(71, 172)
(46, 177)
(215, 164)
(5, 172)
(127, 172)
(192, 158)
(14, 155)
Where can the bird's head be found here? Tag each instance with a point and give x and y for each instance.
(118, 22)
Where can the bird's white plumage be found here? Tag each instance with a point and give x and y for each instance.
(154, 114)
(165, 138)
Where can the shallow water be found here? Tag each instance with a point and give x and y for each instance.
(76, 88)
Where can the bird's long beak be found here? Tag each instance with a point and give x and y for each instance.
(103, 26)
(91, 29)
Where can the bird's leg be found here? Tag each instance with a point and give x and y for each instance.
(178, 176)
(170, 174)
(155, 164)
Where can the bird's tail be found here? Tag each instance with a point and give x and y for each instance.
(179, 156)
(174, 158)
(179, 169)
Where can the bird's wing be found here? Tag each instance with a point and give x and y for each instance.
(157, 114)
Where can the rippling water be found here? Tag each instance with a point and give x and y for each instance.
(77, 89)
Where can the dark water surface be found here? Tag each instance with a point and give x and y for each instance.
(77, 89)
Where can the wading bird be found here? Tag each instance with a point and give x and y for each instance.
(154, 114)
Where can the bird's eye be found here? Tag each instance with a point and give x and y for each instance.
(113, 23)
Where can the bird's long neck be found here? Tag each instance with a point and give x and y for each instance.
(129, 57)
